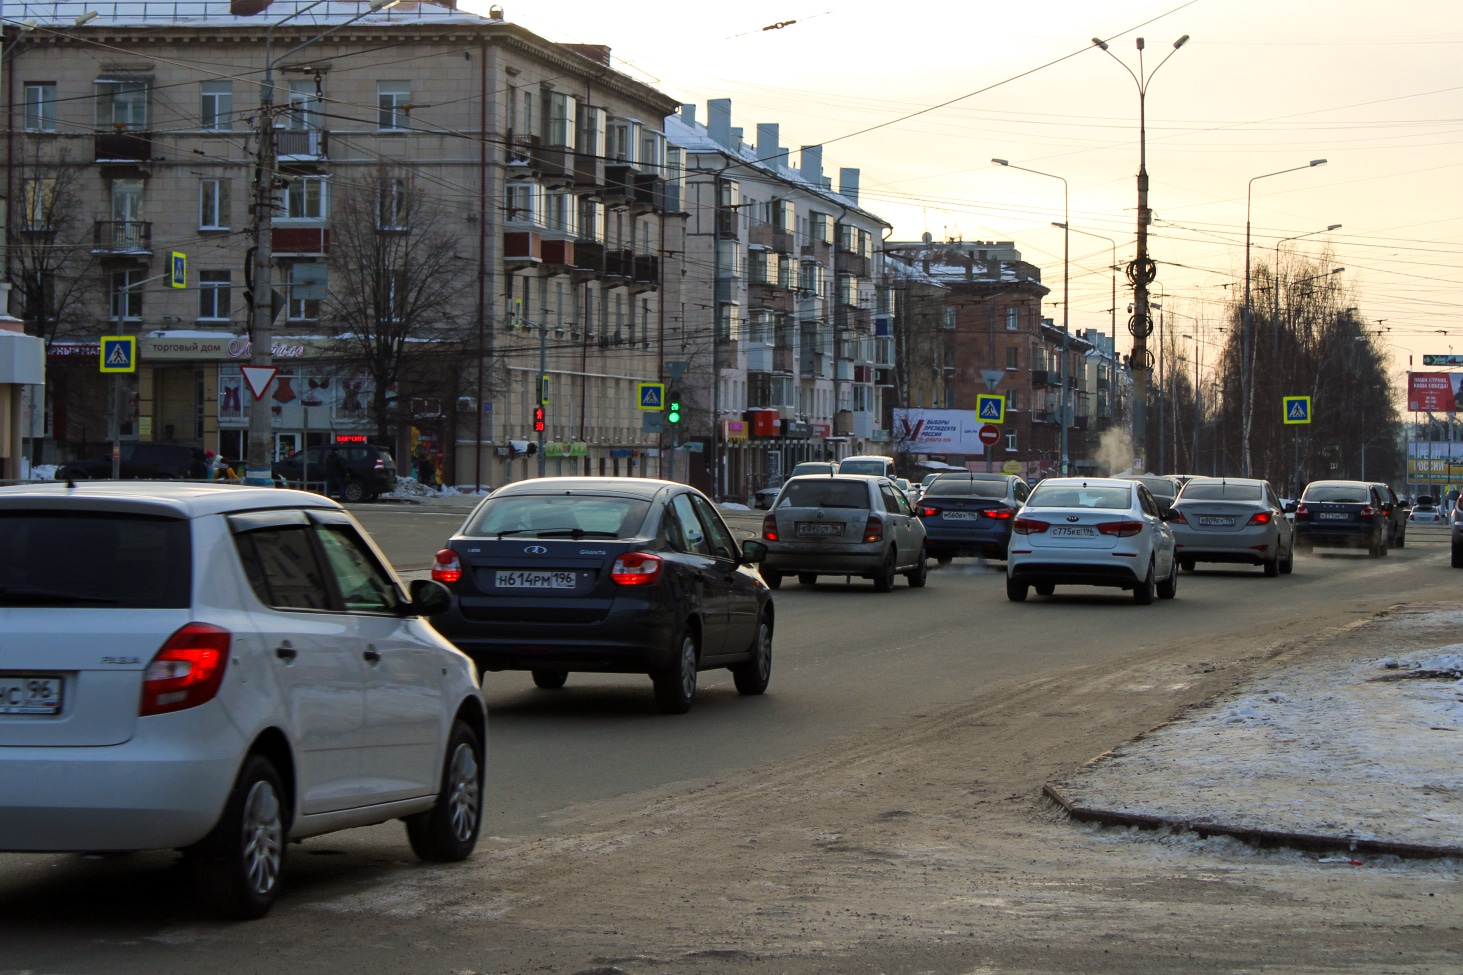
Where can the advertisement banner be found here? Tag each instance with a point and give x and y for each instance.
(1434, 462)
(938, 432)
(1434, 392)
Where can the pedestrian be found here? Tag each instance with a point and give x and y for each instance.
(335, 472)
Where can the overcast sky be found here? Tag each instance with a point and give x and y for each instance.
(1262, 85)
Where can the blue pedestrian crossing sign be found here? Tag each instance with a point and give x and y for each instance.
(652, 396)
(178, 271)
(1297, 409)
(119, 353)
(990, 408)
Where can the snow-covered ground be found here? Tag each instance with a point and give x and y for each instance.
(409, 488)
(1339, 743)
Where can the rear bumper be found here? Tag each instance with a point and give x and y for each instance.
(1359, 537)
(1119, 575)
(942, 541)
(1253, 547)
(826, 563)
(633, 639)
(165, 788)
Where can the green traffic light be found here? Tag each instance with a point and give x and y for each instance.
(673, 413)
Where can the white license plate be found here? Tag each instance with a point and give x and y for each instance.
(1216, 521)
(30, 694)
(961, 515)
(1061, 531)
(519, 579)
(1333, 516)
(818, 529)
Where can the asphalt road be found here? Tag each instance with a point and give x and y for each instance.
(848, 662)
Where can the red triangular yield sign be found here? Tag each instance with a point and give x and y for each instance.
(258, 378)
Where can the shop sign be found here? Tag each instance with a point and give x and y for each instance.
(80, 350)
(822, 430)
(579, 449)
(766, 423)
(555, 450)
(734, 429)
(622, 452)
(212, 347)
(797, 428)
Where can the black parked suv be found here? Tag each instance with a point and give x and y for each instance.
(1396, 515)
(1342, 514)
(142, 460)
(369, 470)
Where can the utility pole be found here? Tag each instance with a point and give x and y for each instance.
(543, 389)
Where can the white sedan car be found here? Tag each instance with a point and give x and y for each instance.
(1091, 532)
(222, 670)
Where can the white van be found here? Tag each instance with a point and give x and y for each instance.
(876, 465)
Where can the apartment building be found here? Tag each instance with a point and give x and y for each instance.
(795, 356)
(468, 223)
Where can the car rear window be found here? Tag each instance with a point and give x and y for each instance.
(537, 514)
(818, 493)
(1425, 508)
(1339, 493)
(802, 469)
(1080, 496)
(875, 467)
(94, 558)
(1197, 491)
(955, 487)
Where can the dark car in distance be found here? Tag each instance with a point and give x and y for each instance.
(1396, 514)
(1341, 514)
(369, 470)
(1164, 489)
(607, 575)
(970, 514)
(143, 460)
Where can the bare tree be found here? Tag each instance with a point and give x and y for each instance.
(396, 289)
(50, 267)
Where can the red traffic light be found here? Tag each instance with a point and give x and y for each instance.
(538, 419)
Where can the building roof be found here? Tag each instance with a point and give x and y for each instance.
(217, 13)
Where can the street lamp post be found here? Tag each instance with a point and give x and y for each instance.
(1275, 281)
(1143, 271)
(1066, 305)
(1247, 377)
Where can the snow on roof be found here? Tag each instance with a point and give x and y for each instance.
(907, 272)
(216, 13)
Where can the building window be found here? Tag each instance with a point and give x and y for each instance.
(950, 319)
(393, 305)
(121, 104)
(591, 220)
(1013, 399)
(40, 106)
(1013, 321)
(624, 141)
(591, 140)
(213, 204)
(126, 295)
(560, 123)
(1012, 360)
(393, 105)
(522, 202)
(304, 107)
(560, 213)
(1011, 441)
(391, 203)
(302, 282)
(306, 198)
(213, 296)
(652, 152)
(37, 201)
(217, 105)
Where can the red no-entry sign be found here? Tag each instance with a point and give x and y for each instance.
(990, 435)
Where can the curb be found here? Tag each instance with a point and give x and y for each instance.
(1313, 842)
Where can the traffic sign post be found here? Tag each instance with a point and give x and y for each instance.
(990, 435)
(990, 408)
(119, 353)
(651, 396)
(178, 270)
(1297, 409)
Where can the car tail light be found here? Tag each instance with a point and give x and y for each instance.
(769, 528)
(636, 569)
(1000, 514)
(447, 567)
(1029, 526)
(928, 512)
(1175, 515)
(187, 671)
(380, 464)
(1122, 529)
(1259, 518)
(873, 529)
(1367, 513)
(1301, 511)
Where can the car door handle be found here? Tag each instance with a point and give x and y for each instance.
(372, 656)
(286, 652)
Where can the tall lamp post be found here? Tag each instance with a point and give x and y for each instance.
(1066, 303)
(1247, 371)
(1275, 275)
(1143, 271)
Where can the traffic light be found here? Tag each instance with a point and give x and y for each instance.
(538, 419)
(673, 408)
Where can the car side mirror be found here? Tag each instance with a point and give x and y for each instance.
(428, 597)
(753, 552)
(1290, 507)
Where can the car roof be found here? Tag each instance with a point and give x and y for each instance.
(189, 499)
(840, 476)
(626, 487)
(1256, 481)
(879, 457)
(1120, 481)
(975, 476)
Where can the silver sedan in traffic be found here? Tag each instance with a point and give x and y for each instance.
(1234, 520)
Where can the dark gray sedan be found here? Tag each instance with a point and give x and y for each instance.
(1232, 520)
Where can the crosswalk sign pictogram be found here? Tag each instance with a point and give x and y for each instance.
(990, 408)
(1297, 409)
(119, 353)
(178, 272)
(652, 396)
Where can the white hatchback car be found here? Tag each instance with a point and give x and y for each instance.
(222, 670)
(1091, 532)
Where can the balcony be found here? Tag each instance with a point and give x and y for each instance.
(759, 357)
(649, 195)
(768, 236)
(123, 147)
(589, 259)
(589, 173)
(813, 365)
(555, 165)
(122, 237)
(647, 272)
(523, 248)
(726, 224)
(521, 154)
(558, 255)
(852, 264)
(818, 250)
(845, 316)
(620, 264)
(619, 185)
(300, 241)
(760, 294)
(728, 289)
(301, 145)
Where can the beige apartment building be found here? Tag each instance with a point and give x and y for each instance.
(454, 201)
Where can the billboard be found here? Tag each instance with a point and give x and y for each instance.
(1434, 462)
(1434, 392)
(938, 432)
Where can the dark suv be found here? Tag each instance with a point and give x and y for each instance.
(1341, 514)
(1396, 515)
(369, 470)
(143, 460)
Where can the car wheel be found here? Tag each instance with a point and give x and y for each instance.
(921, 572)
(1457, 556)
(752, 677)
(1143, 592)
(236, 868)
(1016, 591)
(550, 680)
(884, 581)
(773, 579)
(1401, 538)
(1045, 588)
(1287, 565)
(1169, 588)
(807, 578)
(674, 688)
(1272, 567)
(353, 491)
(1187, 564)
(448, 831)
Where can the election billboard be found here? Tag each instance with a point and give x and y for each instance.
(1434, 392)
(938, 432)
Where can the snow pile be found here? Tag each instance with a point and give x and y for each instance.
(733, 506)
(43, 472)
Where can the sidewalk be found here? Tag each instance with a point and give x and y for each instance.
(1352, 743)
